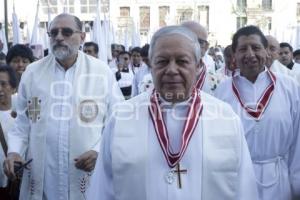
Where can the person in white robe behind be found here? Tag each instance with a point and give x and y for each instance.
(63, 102)
(229, 67)
(273, 55)
(8, 85)
(207, 79)
(142, 80)
(165, 144)
(269, 107)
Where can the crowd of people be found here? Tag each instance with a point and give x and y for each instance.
(173, 119)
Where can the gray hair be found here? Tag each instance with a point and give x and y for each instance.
(77, 21)
(176, 30)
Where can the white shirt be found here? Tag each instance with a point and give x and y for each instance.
(295, 72)
(209, 62)
(57, 139)
(138, 79)
(280, 68)
(113, 64)
(6, 123)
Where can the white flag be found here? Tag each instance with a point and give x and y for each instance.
(3, 40)
(16, 28)
(49, 14)
(98, 35)
(126, 41)
(136, 40)
(35, 31)
(106, 31)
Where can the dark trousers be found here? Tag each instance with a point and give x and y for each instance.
(4, 194)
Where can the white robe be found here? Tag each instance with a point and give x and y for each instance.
(73, 107)
(138, 79)
(113, 64)
(295, 72)
(209, 62)
(132, 165)
(6, 123)
(277, 67)
(274, 141)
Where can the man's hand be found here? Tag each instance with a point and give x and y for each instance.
(9, 164)
(86, 161)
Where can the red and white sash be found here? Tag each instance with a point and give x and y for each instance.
(191, 122)
(201, 79)
(263, 100)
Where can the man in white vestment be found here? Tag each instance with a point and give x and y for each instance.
(124, 74)
(116, 49)
(165, 144)
(268, 105)
(63, 101)
(142, 80)
(8, 85)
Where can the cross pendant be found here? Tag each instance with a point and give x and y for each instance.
(179, 171)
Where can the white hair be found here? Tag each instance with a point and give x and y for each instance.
(176, 30)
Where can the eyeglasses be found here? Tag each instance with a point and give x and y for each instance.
(66, 32)
(202, 42)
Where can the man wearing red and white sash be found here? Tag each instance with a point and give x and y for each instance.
(268, 105)
(176, 142)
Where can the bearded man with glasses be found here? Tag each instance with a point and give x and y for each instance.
(63, 101)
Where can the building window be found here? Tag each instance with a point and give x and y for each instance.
(125, 11)
(52, 8)
(203, 16)
(298, 12)
(184, 15)
(267, 4)
(88, 6)
(163, 15)
(241, 22)
(241, 5)
(269, 23)
(144, 18)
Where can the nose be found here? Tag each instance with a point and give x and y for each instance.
(59, 36)
(250, 52)
(172, 68)
(20, 64)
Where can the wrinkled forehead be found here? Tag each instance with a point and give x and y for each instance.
(170, 40)
(175, 44)
(63, 22)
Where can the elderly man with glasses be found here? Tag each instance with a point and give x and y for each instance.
(207, 79)
(63, 101)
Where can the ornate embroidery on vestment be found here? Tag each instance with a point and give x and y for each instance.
(88, 110)
(84, 182)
